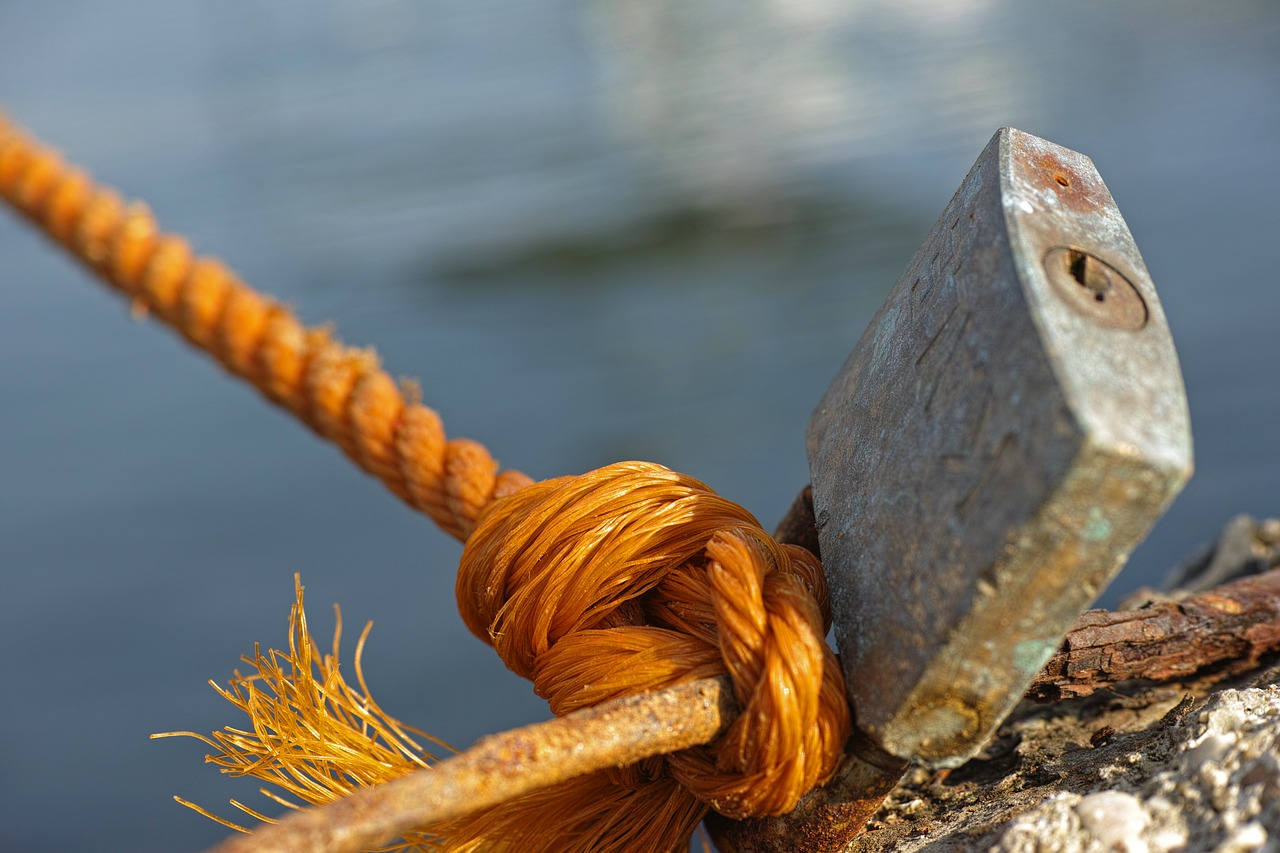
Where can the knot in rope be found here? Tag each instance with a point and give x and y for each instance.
(632, 578)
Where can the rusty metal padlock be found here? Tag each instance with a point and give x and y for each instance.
(1008, 428)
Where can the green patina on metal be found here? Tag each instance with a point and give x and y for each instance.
(1030, 656)
(1098, 527)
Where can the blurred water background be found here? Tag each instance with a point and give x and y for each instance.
(595, 231)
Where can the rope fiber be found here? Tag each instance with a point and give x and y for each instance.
(619, 581)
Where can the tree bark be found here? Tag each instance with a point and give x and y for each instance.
(1230, 627)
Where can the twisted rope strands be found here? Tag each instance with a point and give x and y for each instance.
(340, 392)
(625, 580)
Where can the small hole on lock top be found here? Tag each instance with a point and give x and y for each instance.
(1062, 181)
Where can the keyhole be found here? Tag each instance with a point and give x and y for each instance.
(1089, 274)
(1095, 288)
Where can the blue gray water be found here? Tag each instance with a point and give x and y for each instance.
(595, 231)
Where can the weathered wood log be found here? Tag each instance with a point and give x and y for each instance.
(1229, 627)
(1233, 625)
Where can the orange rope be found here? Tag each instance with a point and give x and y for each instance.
(338, 391)
(622, 580)
(633, 578)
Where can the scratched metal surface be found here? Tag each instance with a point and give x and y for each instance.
(948, 408)
(594, 231)
(1049, 433)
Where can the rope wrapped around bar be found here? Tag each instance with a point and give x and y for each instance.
(622, 580)
(633, 578)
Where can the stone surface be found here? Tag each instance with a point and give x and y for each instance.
(1157, 768)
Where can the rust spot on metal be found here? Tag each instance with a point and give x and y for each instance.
(948, 723)
(827, 818)
(1074, 190)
